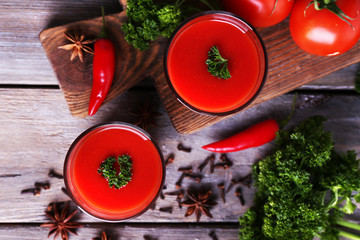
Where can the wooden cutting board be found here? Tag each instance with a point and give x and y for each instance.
(289, 68)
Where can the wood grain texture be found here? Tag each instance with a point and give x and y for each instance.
(289, 68)
(125, 231)
(37, 130)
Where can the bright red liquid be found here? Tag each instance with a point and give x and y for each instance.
(92, 191)
(188, 72)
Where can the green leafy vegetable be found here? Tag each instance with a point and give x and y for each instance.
(304, 188)
(117, 178)
(148, 20)
(217, 65)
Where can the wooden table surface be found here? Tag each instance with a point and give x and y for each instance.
(37, 130)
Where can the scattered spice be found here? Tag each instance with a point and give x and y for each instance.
(166, 209)
(162, 193)
(221, 166)
(179, 195)
(238, 194)
(181, 147)
(221, 187)
(245, 181)
(77, 45)
(204, 163)
(180, 180)
(103, 236)
(35, 191)
(226, 160)
(42, 185)
(153, 206)
(170, 159)
(195, 177)
(54, 174)
(198, 203)
(61, 224)
(188, 169)
(174, 193)
(145, 115)
(213, 235)
(212, 164)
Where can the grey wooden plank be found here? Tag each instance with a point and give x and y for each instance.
(37, 130)
(125, 231)
(22, 59)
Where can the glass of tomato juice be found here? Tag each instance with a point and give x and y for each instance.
(186, 69)
(91, 192)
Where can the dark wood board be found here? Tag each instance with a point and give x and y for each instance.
(289, 68)
(75, 77)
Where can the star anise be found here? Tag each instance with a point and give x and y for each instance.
(199, 204)
(60, 224)
(145, 115)
(77, 45)
(103, 237)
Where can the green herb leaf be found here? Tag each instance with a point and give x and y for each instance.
(304, 188)
(117, 178)
(217, 65)
(147, 20)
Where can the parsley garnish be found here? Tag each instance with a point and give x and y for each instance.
(147, 20)
(115, 179)
(304, 189)
(217, 65)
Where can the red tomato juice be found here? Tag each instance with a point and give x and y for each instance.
(187, 71)
(91, 191)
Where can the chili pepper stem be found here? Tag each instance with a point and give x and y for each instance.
(103, 32)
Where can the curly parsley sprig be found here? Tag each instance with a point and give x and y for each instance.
(217, 65)
(117, 179)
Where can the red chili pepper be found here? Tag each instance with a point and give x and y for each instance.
(253, 136)
(103, 69)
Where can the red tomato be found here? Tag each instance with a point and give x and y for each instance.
(259, 13)
(322, 32)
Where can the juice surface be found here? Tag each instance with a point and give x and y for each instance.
(92, 190)
(188, 72)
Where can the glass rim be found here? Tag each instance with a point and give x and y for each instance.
(80, 137)
(184, 102)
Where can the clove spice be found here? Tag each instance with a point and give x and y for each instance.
(188, 169)
(41, 185)
(205, 162)
(34, 191)
(54, 174)
(212, 164)
(221, 187)
(195, 177)
(180, 180)
(181, 147)
(238, 194)
(166, 209)
(170, 159)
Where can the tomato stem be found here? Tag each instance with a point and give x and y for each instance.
(273, 10)
(332, 7)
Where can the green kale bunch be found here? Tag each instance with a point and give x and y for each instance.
(304, 188)
(148, 20)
